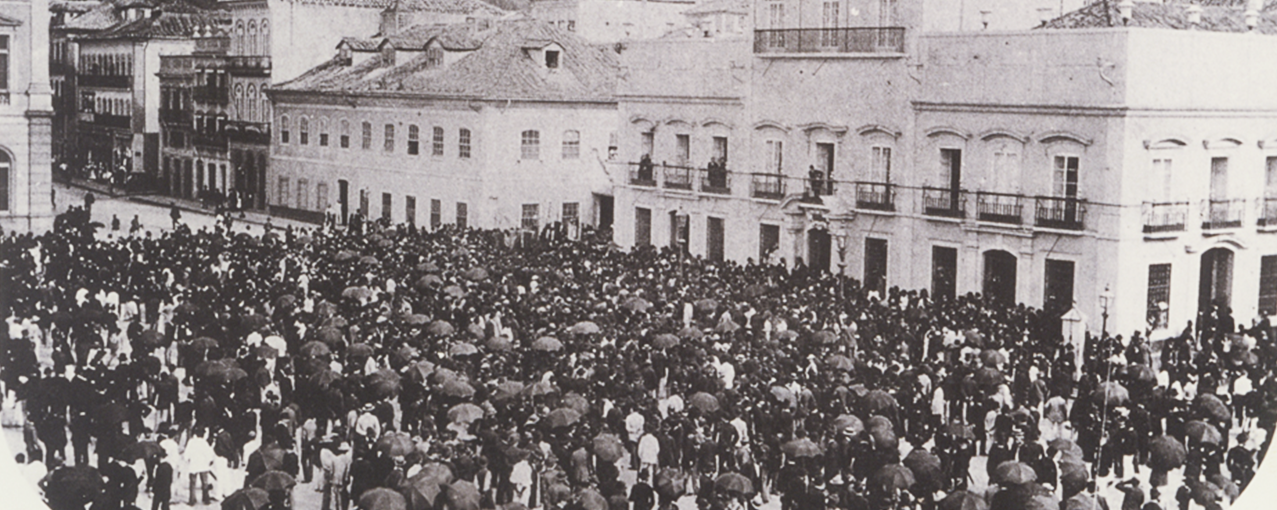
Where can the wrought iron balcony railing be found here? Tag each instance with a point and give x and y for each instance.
(999, 207)
(876, 196)
(1268, 212)
(1066, 213)
(677, 177)
(718, 182)
(1165, 216)
(1217, 214)
(944, 202)
(643, 174)
(768, 186)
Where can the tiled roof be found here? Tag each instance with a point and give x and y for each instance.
(456, 37)
(360, 43)
(716, 6)
(499, 69)
(75, 6)
(174, 21)
(439, 6)
(1227, 17)
(101, 17)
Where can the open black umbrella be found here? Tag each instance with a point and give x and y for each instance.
(1202, 432)
(456, 388)
(75, 485)
(1112, 394)
(704, 401)
(382, 498)
(1211, 407)
(141, 450)
(1014, 473)
(963, 500)
(925, 466)
(251, 498)
(735, 484)
(462, 495)
(893, 477)
(801, 448)
(395, 444)
(562, 417)
(547, 344)
(274, 480)
(877, 401)
(1166, 453)
(636, 304)
(608, 447)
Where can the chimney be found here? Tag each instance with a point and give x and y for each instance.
(1194, 13)
(1252, 13)
(1126, 9)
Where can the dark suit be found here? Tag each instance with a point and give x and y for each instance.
(162, 484)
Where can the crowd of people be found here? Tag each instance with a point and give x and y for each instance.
(465, 369)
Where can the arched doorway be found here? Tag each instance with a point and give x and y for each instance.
(999, 276)
(818, 249)
(1216, 284)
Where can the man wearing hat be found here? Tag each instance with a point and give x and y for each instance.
(336, 459)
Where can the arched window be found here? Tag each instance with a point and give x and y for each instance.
(239, 36)
(303, 131)
(366, 142)
(571, 144)
(252, 38)
(283, 129)
(323, 132)
(263, 31)
(414, 142)
(345, 134)
(437, 142)
(251, 100)
(239, 100)
(5, 165)
(530, 144)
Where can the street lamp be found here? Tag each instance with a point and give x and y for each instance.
(841, 238)
(1106, 298)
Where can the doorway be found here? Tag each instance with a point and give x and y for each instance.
(818, 249)
(944, 270)
(604, 204)
(1059, 287)
(343, 199)
(999, 276)
(1216, 283)
(876, 265)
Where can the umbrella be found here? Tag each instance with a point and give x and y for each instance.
(422, 491)
(110, 414)
(1073, 473)
(1014, 473)
(664, 341)
(562, 417)
(416, 319)
(462, 495)
(608, 447)
(784, 395)
(396, 444)
(285, 301)
(328, 335)
(547, 344)
(428, 267)
(735, 484)
(476, 274)
(271, 457)
(963, 500)
(540, 388)
(230, 375)
(203, 344)
(465, 413)
(440, 328)
(75, 484)
(429, 281)
(358, 293)
(419, 371)
(1202, 432)
(476, 331)
(382, 498)
(590, 499)
(704, 401)
(456, 388)
(690, 333)
(274, 480)
(802, 448)
(325, 309)
(251, 498)
(878, 400)
(893, 477)
(882, 432)
(849, 424)
(1082, 501)
(507, 390)
(265, 352)
(384, 383)
(1140, 373)
(1111, 394)
(585, 328)
(1203, 492)
(924, 465)
(454, 290)
(360, 351)
(706, 305)
(1166, 453)
(840, 362)
(463, 349)
(152, 339)
(670, 483)
(324, 378)
(1226, 486)
(988, 378)
(1210, 406)
(576, 402)
(1067, 448)
(368, 260)
(959, 430)
(345, 256)
(992, 358)
(636, 304)
(141, 450)
(824, 337)
(499, 344)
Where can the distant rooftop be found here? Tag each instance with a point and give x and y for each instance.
(1217, 16)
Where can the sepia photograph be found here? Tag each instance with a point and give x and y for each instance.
(638, 254)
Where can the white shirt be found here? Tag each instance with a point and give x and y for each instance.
(649, 449)
(521, 474)
(199, 455)
(634, 425)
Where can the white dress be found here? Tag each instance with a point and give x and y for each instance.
(11, 415)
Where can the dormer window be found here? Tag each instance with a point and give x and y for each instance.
(551, 59)
(434, 57)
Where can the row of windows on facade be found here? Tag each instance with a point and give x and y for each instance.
(105, 106)
(1162, 180)
(107, 64)
(1158, 301)
(529, 143)
(251, 38)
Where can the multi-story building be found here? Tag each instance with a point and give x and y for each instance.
(194, 102)
(502, 126)
(118, 85)
(66, 21)
(26, 113)
(1014, 164)
(611, 21)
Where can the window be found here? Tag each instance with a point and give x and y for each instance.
(323, 132)
(551, 59)
(1268, 285)
(571, 215)
(1064, 177)
(775, 155)
(530, 145)
(303, 195)
(881, 169)
(321, 197)
(4, 62)
(531, 217)
(367, 136)
(1059, 286)
(282, 198)
(1218, 178)
(5, 166)
(714, 238)
(437, 142)
(768, 241)
(1006, 168)
(410, 211)
(571, 144)
(386, 203)
(1162, 188)
(611, 146)
(345, 134)
(642, 226)
(1270, 177)
(682, 149)
(876, 265)
(829, 20)
(389, 145)
(462, 213)
(944, 271)
(303, 131)
(436, 213)
(1159, 295)
(720, 148)
(950, 168)
(283, 129)
(463, 143)
(413, 142)
(434, 57)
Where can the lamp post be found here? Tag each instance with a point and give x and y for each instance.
(1106, 298)
(841, 238)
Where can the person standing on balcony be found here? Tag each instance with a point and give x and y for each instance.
(817, 180)
(645, 168)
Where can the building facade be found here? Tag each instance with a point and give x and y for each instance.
(498, 127)
(26, 117)
(612, 21)
(1013, 164)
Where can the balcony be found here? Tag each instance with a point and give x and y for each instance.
(1165, 217)
(171, 116)
(248, 66)
(104, 120)
(875, 196)
(718, 182)
(888, 40)
(767, 186)
(216, 141)
(212, 95)
(943, 202)
(643, 175)
(677, 177)
(1268, 212)
(105, 81)
(819, 188)
(253, 133)
(1064, 213)
(1217, 214)
(999, 207)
